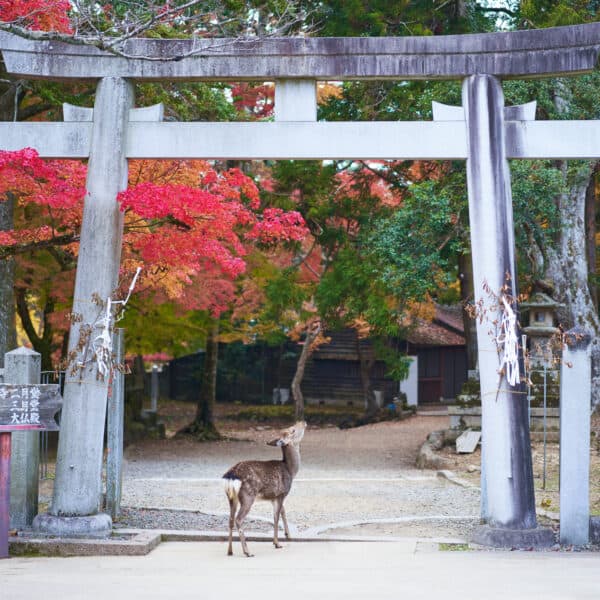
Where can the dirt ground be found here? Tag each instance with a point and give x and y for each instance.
(467, 466)
(359, 481)
(395, 444)
(326, 447)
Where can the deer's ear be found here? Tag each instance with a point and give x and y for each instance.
(274, 442)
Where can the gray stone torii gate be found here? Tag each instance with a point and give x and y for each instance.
(483, 132)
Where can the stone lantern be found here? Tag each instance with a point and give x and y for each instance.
(541, 327)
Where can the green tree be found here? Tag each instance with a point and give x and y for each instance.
(563, 262)
(420, 17)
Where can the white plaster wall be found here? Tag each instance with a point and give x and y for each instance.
(410, 386)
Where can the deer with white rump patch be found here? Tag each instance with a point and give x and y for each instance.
(265, 480)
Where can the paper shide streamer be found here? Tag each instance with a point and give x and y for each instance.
(102, 344)
(508, 342)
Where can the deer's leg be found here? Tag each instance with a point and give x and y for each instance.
(285, 523)
(245, 506)
(232, 508)
(277, 507)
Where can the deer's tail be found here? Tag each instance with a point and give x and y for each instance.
(232, 486)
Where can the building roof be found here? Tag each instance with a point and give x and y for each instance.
(433, 334)
(446, 329)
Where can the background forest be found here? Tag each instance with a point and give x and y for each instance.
(299, 247)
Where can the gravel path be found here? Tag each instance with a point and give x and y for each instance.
(360, 481)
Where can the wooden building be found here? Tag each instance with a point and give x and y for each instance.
(440, 348)
(250, 373)
(333, 373)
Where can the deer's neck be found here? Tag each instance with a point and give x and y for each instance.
(291, 458)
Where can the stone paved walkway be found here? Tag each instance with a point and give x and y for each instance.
(306, 571)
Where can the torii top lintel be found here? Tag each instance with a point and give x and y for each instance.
(519, 54)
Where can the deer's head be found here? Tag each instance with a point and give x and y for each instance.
(292, 435)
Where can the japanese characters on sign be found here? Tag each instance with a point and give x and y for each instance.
(29, 407)
(24, 408)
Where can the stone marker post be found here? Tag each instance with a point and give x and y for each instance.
(75, 509)
(508, 480)
(23, 366)
(154, 389)
(575, 407)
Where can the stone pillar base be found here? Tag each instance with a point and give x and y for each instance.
(540, 537)
(91, 526)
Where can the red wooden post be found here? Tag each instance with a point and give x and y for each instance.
(5, 440)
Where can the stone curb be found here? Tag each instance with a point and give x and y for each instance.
(222, 536)
(453, 478)
(142, 542)
(135, 543)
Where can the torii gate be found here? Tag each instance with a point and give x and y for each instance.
(483, 132)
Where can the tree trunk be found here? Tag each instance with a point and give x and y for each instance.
(467, 294)
(206, 407)
(590, 230)
(567, 261)
(203, 426)
(311, 335)
(41, 343)
(567, 268)
(366, 362)
(11, 95)
(8, 338)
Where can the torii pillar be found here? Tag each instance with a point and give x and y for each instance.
(76, 505)
(508, 502)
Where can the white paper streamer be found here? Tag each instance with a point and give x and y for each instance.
(507, 338)
(102, 344)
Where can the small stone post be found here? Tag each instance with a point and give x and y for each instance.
(154, 389)
(115, 423)
(508, 495)
(75, 509)
(575, 407)
(23, 366)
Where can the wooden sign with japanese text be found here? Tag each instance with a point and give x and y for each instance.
(29, 407)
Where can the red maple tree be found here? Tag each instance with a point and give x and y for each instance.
(37, 15)
(189, 225)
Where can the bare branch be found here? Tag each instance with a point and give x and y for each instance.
(194, 20)
(496, 9)
(62, 240)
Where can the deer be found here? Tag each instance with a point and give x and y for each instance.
(266, 480)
